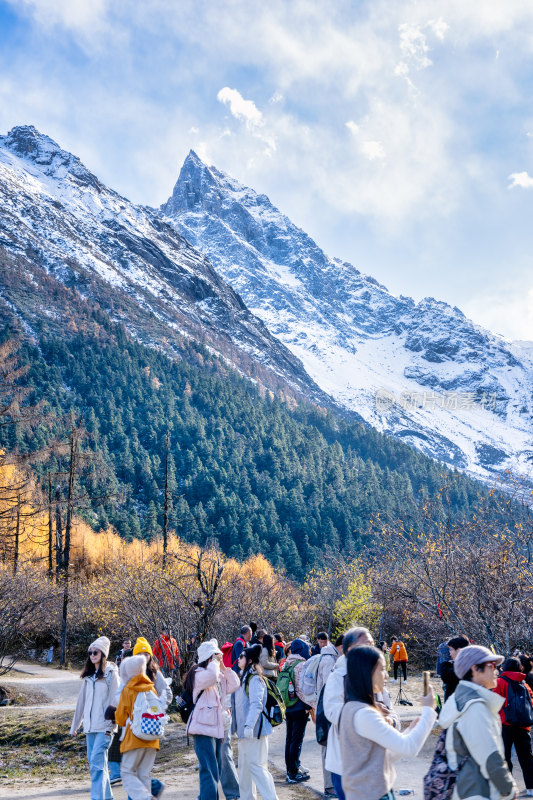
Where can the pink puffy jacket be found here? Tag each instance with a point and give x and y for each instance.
(206, 719)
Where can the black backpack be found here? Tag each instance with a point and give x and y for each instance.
(518, 709)
(186, 705)
(322, 722)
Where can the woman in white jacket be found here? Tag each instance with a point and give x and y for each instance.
(473, 727)
(250, 723)
(368, 741)
(100, 684)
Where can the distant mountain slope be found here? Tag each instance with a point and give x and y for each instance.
(245, 471)
(59, 222)
(421, 371)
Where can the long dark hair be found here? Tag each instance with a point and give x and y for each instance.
(361, 662)
(152, 668)
(268, 642)
(89, 668)
(252, 655)
(188, 681)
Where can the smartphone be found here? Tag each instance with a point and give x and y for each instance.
(425, 679)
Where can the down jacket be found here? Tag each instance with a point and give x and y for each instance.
(398, 651)
(207, 718)
(472, 721)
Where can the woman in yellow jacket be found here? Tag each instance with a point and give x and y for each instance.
(138, 755)
(399, 653)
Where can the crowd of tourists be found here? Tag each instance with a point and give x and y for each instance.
(247, 687)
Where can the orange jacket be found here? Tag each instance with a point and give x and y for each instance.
(398, 651)
(139, 683)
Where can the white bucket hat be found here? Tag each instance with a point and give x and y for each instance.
(208, 649)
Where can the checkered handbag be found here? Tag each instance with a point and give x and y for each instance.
(153, 725)
(148, 719)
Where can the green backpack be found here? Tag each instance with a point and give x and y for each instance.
(275, 707)
(286, 685)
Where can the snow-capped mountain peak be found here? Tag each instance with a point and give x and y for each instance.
(58, 222)
(26, 142)
(422, 371)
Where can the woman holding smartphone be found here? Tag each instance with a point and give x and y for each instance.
(209, 683)
(369, 742)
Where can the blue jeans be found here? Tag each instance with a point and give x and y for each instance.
(337, 785)
(215, 761)
(114, 769)
(97, 746)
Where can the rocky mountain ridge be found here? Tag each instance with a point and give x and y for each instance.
(421, 371)
(59, 222)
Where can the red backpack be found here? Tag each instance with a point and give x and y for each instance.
(226, 648)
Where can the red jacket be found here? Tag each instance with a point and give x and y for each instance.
(169, 656)
(502, 688)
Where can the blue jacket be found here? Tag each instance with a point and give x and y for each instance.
(237, 649)
(248, 707)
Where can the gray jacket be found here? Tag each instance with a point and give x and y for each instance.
(473, 730)
(248, 703)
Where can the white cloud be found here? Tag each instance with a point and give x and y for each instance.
(246, 111)
(520, 179)
(352, 126)
(373, 150)
(414, 46)
(439, 27)
(242, 109)
(508, 311)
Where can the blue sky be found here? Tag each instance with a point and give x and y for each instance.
(398, 134)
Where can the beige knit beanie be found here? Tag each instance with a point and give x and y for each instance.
(102, 643)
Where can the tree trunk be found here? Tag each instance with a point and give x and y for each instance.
(17, 540)
(59, 534)
(50, 531)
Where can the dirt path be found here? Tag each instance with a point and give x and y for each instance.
(62, 687)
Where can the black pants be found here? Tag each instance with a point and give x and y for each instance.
(403, 665)
(522, 743)
(296, 722)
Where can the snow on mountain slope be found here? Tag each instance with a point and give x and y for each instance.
(421, 371)
(56, 214)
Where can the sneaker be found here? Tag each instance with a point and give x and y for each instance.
(157, 788)
(303, 770)
(297, 778)
(329, 793)
(529, 792)
(115, 781)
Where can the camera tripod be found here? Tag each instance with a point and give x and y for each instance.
(402, 698)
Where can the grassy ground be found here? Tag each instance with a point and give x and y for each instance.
(35, 746)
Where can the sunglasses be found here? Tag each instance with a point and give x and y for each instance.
(94, 652)
(481, 667)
